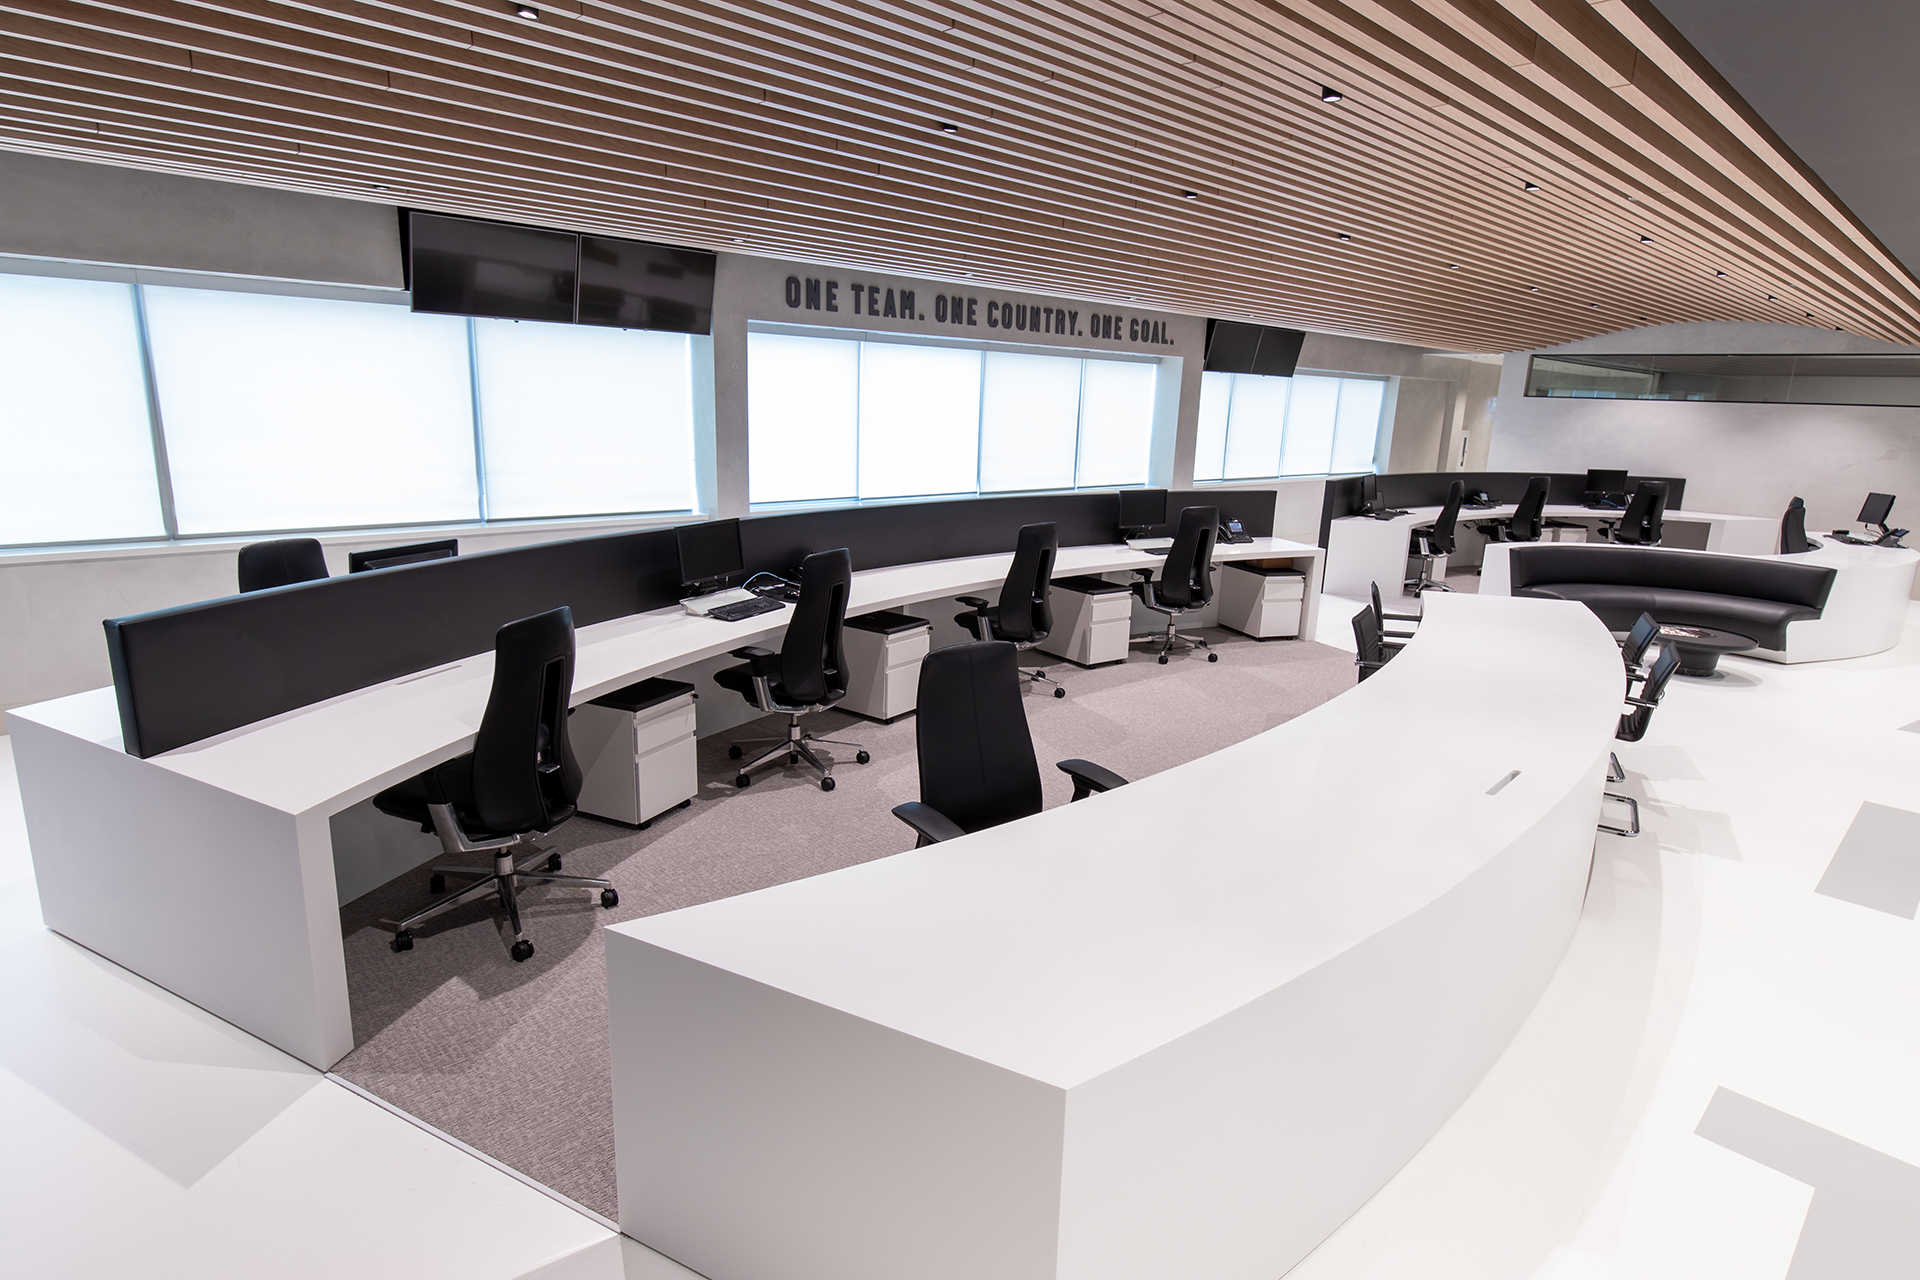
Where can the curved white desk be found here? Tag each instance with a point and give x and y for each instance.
(210, 869)
(1864, 614)
(1182, 1029)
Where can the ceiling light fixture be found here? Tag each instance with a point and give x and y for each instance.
(1533, 288)
(1721, 274)
(1646, 239)
(1189, 195)
(1328, 94)
(1343, 236)
(1529, 186)
(949, 128)
(1453, 266)
(526, 11)
(1771, 298)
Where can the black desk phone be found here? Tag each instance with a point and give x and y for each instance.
(1478, 498)
(1232, 532)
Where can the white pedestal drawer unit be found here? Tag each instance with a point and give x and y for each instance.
(636, 748)
(1260, 601)
(1092, 619)
(883, 652)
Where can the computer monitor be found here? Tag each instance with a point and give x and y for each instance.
(1369, 494)
(393, 557)
(1606, 484)
(1876, 509)
(709, 553)
(1142, 509)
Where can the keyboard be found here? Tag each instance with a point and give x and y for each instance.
(1152, 546)
(744, 609)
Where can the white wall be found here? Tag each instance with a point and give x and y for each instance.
(1745, 459)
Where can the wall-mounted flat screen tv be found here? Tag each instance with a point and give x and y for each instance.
(466, 267)
(631, 284)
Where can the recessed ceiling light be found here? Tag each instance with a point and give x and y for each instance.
(1646, 239)
(1529, 186)
(1809, 315)
(949, 128)
(1533, 288)
(1593, 304)
(526, 11)
(1330, 95)
(1721, 274)
(1343, 236)
(1453, 266)
(1189, 195)
(1771, 298)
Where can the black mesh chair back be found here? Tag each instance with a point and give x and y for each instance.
(1024, 612)
(1370, 654)
(976, 755)
(1530, 514)
(1640, 524)
(811, 669)
(1633, 725)
(524, 775)
(1440, 536)
(1186, 582)
(281, 563)
(1793, 529)
(1639, 636)
(1379, 610)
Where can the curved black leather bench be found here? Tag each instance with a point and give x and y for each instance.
(1748, 595)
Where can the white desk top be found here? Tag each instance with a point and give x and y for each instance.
(1065, 944)
(327, 756)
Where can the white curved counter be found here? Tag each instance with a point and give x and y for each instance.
(1182, 1029)
(1864, 613)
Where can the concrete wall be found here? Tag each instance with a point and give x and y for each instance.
(78, 212)
(1744, 459)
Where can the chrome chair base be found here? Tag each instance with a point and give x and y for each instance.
(797, 747)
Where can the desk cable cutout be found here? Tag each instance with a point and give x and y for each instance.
(1496, 788)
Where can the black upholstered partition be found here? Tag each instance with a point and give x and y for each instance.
(1429, 489)
(189, 673)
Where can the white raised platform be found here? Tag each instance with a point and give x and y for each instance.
(1182, 1029)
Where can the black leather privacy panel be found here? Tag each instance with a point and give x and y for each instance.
(1429, 489)
(192, 672)
(198, 670)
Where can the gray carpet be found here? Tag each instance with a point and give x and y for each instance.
(512, 1058)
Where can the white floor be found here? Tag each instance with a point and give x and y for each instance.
(146, 1138)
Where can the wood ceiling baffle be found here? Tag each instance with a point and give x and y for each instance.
(812, 129)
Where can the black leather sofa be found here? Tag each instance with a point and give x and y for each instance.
(1748, 595)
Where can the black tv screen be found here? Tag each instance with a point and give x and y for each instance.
(466, 267)
(1236, 347)
(631, 284)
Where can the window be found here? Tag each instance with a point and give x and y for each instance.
(841, 419)
(1259, 428)
(584, 421)
(76, 442)
(303, 413)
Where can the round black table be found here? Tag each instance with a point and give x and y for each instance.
(1700, 647)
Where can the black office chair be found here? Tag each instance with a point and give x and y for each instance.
(1793, 530)
(808, 674)
(1185, 583)
(1390, 638)
(1641, 634)
(977, 767)
(1434, 541)
(1633, 724)
(1640, 524)
(1024, 616)
(281, 563)
(1371, 652)
(1528, 520)
(520, 780)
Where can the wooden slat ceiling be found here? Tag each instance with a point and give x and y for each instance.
(811, 129)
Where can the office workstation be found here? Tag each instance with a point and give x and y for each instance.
(725, 645)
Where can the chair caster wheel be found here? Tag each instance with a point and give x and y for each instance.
(826, 784)
(743, 781)
(1163, 659)
(609, 898)
(1213, 657)
(436, 884)
(734, 753)
(522, 951)
(865, 757)
(553, 862)
(402, 941)
(1059, 693)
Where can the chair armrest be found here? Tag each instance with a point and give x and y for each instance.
(1146, 575)
(932, 825)
(1089, 777)
(765, 661)
(1644, 702)
(976, 603)
(1398, 617)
